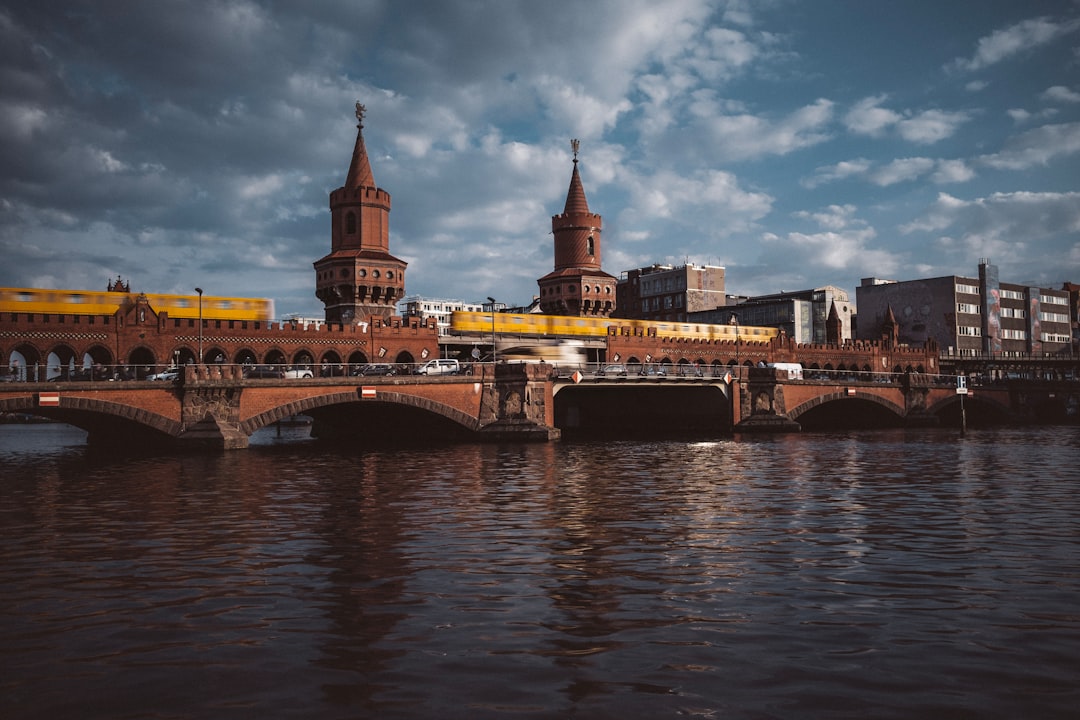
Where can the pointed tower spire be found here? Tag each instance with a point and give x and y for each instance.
(575, 197)
(359, 278)
(360, 168)
(577, 285)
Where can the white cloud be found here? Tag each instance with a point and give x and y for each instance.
(930, 126)
(952, 171)
(1038, 146)
(740, 137)
(1004, 222)
(839, 171)
(1023, 36)
(868, 117)
(901, 170)
(1060, 93)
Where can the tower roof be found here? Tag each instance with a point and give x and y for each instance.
(359, 169)
(575, 197)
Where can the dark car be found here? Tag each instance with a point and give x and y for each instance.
(376, 369)
(264, 372)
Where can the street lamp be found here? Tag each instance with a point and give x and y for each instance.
(492, 301)
(735, 322)
(199, 290)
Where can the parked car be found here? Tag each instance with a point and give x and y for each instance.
(264, 372)
(332, 370)
(168, 374)
(690, 370)
(614, 370)
(440, 367)
(299, 373)
(654, 371)
(376, 369)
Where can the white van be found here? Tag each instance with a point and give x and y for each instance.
(440, 367)
(793, 370)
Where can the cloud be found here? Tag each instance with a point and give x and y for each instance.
(1038, 146)
(844, 244)
(840, 171)
(867, 117)
(898, 171)
(1005, 226)
(1060, 93)
(1021, 37)
(746, 136)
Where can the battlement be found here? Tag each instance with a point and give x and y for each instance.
(361, 195)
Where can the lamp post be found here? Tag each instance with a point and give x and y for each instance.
(492, 301)
(199, 290)
(735, 322)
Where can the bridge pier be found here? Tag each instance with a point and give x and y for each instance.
(521, 404)
(760, 404)
(211, 419)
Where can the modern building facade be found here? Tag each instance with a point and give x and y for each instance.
(436, 309)
(802, 314)
(577, 286)
(359, 279)
(969, 316)
(667, 292)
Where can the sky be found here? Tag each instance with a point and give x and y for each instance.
(797, 143)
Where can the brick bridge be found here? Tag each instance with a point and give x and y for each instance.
(216, 407)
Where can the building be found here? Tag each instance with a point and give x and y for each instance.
(969, 316)
(803, 314)
(359, 279)
(440, 311)
(577, 286)
(665, 292)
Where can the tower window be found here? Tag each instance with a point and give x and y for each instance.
(592, 246)
(350, 223)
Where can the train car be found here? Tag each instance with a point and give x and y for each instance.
(536, 325)
(91, 302)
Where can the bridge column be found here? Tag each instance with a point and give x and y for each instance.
(762, 407)
(916, 388)
(521, 402)
(211, 418)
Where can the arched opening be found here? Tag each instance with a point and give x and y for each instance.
(142, 361)
(330, 365)
(60, 363)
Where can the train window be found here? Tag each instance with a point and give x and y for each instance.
(182, 303)
(24, 297)
(516, 320)
(75, 299)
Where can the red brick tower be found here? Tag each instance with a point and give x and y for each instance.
(577, 286)
(359, 278)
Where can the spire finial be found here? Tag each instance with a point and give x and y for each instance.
(575, 144)
(360, 112)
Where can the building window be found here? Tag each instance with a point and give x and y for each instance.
(350, 223)
(969, 331)
(592, 246)
(1053, 317)
(967, 308)
(967, 289)
(1053, 300)
(1012, 295)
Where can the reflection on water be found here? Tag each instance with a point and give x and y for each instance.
(889, 575)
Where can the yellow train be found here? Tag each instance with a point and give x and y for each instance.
(535, 325)
(92, 302)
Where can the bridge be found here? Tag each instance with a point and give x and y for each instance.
(217, 407)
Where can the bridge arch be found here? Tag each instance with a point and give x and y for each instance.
(86, 414)
(305, 405)
(843, 396)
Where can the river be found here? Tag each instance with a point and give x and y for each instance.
(885, 574)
